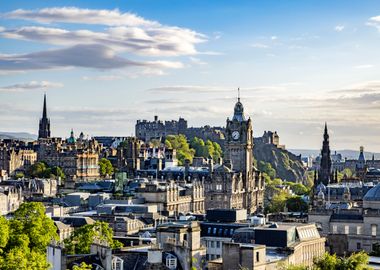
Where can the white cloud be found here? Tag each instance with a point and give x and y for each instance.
(374, 21)
(197, 61)
(125, 32)
(273, 37)
(102, 78)
(364, 66)
(85, 56)
(259, 45)
(33, 85)
(82, 16)
(339, 28)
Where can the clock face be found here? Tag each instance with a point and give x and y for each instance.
(235, 135)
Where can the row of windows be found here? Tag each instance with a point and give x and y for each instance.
(220, 231)
(213, 244)
(359, 229)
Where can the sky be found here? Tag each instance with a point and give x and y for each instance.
(106, 64)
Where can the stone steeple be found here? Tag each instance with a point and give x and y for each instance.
(44, 127)
(325, 166)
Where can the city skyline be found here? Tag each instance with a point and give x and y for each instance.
(143, 59)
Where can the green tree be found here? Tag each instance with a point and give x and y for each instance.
(105, 167)
(4, 233)
(81, 239)
(30, 220)
(24, 238)
(357, 261)
(347, 172)
(37, 170)
(82, 266)
(278, 202)
(19, 175)
(326, 262)
(296, 204)
(180, 144)
(58, 172)
(267, 168)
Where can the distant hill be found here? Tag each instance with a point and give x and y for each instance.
(287, 165)
(18, 135)
(350, 154)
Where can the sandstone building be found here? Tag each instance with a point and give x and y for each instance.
(237, 183)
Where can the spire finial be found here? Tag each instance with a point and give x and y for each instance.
(239, 94)
(44, 111)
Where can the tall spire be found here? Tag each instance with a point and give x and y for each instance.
(44, 127)
(238, 94)
(44, 112)
(325, 172)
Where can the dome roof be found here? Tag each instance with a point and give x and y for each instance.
(239, 112)
(321, 188)
(373, 194)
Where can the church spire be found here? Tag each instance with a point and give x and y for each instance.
(44, 127)
(324, 175)
(44, 112)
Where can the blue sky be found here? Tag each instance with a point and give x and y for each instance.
(105, 64)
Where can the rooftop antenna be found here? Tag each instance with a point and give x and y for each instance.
(238, 94)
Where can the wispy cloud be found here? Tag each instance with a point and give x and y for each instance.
(102, 78)
(339, 28)
(85, 56)
(33, 85)
(259, 46)
(125, 32)
(79, 15)
(365, 66)
(374, 21)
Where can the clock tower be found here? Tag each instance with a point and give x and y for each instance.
(236, 184)
(239, 141)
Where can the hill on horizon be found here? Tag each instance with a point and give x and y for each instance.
(346, 153)
(18, 136)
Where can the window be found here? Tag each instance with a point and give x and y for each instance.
(217, 244)
(346, 229)
(212, 243)
(359, 230)
(334, 229)
(171, 262)
(257, 256)
(373, 229)
(358, 246)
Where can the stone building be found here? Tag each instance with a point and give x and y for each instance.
(128, 155)
(349, 226)
(237, 183)
(157, 129)
(11, 197)
(78, 158)
(270, 137)
(174, 198)
(271, 247)
(16, 157)
(179, 247)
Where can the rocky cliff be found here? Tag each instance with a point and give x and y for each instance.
(287, 165)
